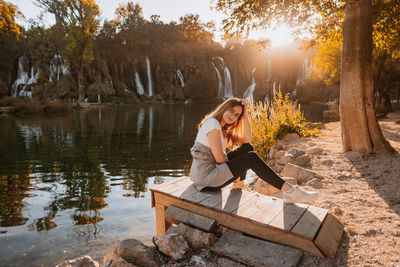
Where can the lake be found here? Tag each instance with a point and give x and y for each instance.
(76, 183)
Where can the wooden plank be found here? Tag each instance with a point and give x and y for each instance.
(161, 224)
(250, 208)
(288, 216)
(234, 202)
(199, 196)
(186, 189)
(219, 199)
(310, 222)
(191, 218)
(329, 236)
(174, 187)
(241, 224)
(160, 186)
(270, 208)
(256, 252)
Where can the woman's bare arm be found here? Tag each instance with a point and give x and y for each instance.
(214, 138)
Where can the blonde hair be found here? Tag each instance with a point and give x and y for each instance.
(231, 132)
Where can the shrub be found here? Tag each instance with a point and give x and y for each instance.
(24, 107)
(272, 121)
(56, 106)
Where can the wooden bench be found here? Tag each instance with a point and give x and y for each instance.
(303, 226)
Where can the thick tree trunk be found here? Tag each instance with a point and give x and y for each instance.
(360, 129)
(80, 85)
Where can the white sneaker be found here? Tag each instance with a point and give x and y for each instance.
(299, 195)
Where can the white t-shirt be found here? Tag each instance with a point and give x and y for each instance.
(209, 125)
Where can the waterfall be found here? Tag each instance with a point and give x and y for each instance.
(220, 94)
(302, 72)
(57, 68)
(139, 86)
(180, 77)
(22, 86)
(228, 82)
(111, 82)
(150, 85)
(269, 70)
(249, 91)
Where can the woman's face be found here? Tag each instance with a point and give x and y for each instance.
(232, 114)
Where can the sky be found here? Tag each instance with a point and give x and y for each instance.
(168, 10)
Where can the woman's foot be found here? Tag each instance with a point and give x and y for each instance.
(298, 195)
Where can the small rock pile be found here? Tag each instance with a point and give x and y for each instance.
(291, 158)
(182, 245)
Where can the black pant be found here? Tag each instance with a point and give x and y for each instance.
(245, 158)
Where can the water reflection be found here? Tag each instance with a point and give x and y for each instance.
(85, 175)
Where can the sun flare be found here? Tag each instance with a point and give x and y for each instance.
(279, 35)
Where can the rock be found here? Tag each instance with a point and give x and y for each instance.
(327, 162)
(172, 245)
(184, 216)
(294, 152)
(133, 251)
(278, 167)
(197, 261)
(290, 137)
(313, 150)
(256, 252)
(226, 262)
(265, 188)
(271, 162)
(303, 175)
(315, 182)
(272, 152)
(197, 238)
(338, 211)
(278, 144)
(85, 261)
(279, 154)
(302, 161)
(120, 262)
(284, 159)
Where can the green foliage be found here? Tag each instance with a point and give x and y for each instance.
(269, 122)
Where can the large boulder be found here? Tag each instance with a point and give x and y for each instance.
(303, 175)
(172, 245)
(133, 251)
(195, 237)
(85, 261)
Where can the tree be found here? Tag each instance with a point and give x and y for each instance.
(360, 130)
(9, 38)
(80, 19)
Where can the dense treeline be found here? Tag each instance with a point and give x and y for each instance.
(130, 58)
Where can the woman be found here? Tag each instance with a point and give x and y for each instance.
(228, 127)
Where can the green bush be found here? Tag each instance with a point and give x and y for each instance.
(272, 121)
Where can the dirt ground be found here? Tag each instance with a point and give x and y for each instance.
(364, 193)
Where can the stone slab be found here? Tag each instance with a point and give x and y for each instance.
(196, 220)
(256, 252)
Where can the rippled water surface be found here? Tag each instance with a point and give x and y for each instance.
(73, 184)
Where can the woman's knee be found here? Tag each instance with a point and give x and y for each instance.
(248, 147)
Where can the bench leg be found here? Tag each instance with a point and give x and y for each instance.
(161, 223)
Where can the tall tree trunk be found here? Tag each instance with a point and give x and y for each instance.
(360, 129)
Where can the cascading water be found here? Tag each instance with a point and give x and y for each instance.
(228, 82)
(180, 77)
(150, 85)
(111, 81)
(57, 68)
(303, 72)
(249, 91)
(22, 86)
(220, 93)
(139, 86)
